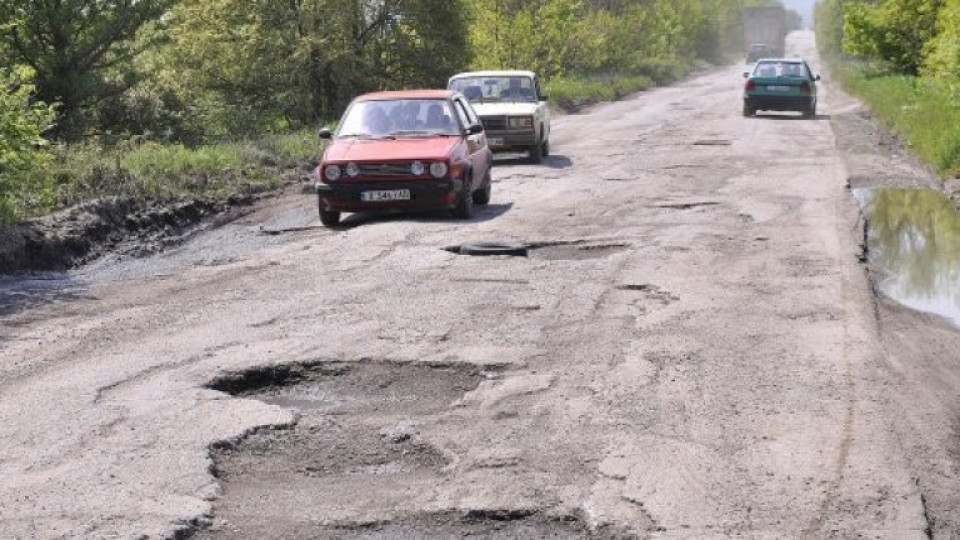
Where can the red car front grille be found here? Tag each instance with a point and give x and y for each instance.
(385, 170)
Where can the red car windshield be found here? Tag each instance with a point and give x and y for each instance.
(399, 118)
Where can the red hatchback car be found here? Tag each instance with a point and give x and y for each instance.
(408, 150)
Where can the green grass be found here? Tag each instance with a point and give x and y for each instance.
(924, 113)
(165, 171)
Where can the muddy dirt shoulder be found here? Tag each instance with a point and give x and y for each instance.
(875, 157)
(125, 225)
(918, 346)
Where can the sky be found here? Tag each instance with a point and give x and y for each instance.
(803, 7)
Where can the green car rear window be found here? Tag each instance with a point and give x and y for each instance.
(780, 69)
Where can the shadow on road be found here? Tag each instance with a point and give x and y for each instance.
(481, 214)
(558, 162)
(554, 161)
(773, 116)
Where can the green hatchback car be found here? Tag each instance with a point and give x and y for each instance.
(780, 84)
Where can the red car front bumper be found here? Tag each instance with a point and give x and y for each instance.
(345, 196)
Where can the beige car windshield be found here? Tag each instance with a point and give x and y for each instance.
(503, 88)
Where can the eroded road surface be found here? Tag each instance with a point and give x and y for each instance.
(691, 352)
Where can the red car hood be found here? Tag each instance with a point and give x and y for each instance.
(426, 149)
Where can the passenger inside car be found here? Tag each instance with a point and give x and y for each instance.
(375, 121)
(792, 70)
(436, 119)
(406, 116)
(516, 90)
(473, 93)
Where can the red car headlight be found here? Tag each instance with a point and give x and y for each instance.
(332, 172)
(438, 169)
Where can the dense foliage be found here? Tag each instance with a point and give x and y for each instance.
(23, 155)
(902, 57)
(81, 50)
(901, 36)
(164, 81)
(193, 71)
(262, 66)
(657, 38)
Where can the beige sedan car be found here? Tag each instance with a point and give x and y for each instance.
(511, 107)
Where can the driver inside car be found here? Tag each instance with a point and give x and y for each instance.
(516, 90)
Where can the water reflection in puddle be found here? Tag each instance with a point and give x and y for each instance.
(914, 237)
(22, 293)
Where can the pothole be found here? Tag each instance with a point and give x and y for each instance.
(504, 525)
(355, 387)
(486, 525)
(550, 251)
(481, 249)
(286, 230)
(713, 142)
(354, 451)
(684, 205)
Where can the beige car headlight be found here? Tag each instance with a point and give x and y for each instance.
(520, 122)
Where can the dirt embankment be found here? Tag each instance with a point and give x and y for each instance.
(84, 232)
(134, 225)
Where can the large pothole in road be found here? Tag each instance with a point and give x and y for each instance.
(485, 525)
(354, 465)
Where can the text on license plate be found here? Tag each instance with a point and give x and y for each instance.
(385, 195)
(778, 88)
(494, 141)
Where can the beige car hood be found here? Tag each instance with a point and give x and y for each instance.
(504, 108)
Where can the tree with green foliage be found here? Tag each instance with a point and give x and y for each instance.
(80, 50)
(655, 38)
(893, 31)
(943, 51)
(23, 154)
(534, 35)
(289, 64)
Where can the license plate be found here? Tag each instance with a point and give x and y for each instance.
(495, 141)
(778, 88)
(385, 195)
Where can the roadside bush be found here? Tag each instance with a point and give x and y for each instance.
(24, 158)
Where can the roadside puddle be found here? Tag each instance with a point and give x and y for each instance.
(23, 293)
(913, 238)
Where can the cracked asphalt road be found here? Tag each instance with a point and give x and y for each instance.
(697, 357)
